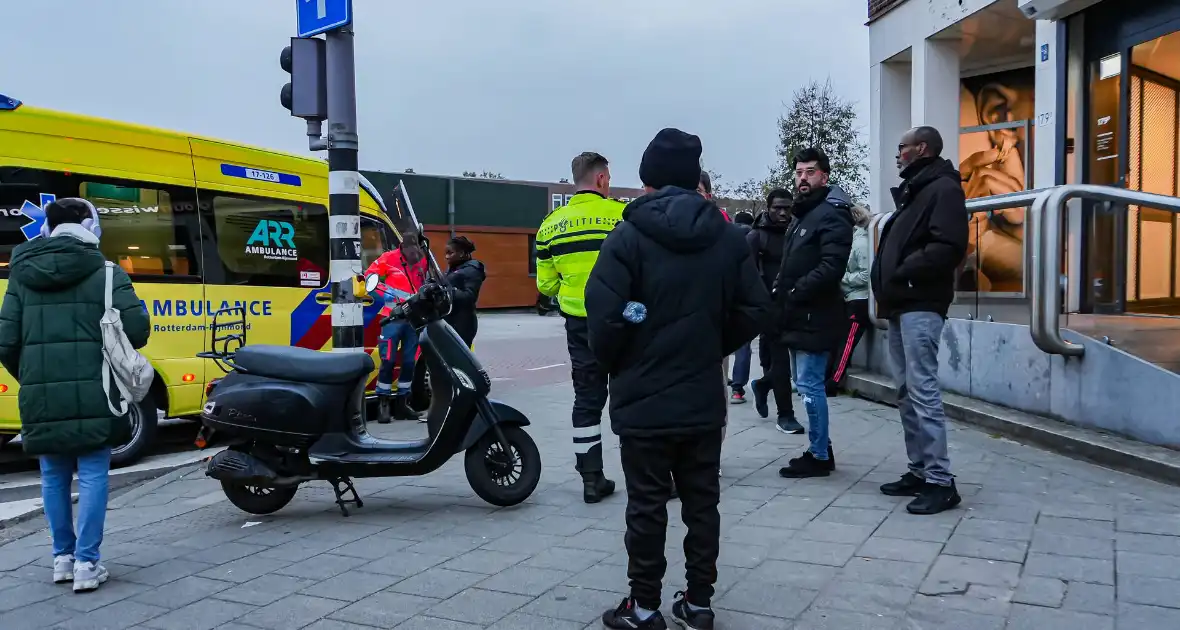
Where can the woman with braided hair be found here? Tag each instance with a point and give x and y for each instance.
(466, 276)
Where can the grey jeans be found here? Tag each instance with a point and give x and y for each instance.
(913, 351)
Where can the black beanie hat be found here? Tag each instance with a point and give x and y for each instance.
(673, 158)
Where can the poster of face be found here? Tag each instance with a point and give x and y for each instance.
(993, 162)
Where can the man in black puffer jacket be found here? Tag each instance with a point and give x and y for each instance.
(675, 254)
(810, 301)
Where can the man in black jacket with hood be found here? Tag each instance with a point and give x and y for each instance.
(811, 302)
(675, 254)
(913, 277)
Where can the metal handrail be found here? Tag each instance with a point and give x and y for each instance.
(1007, 201)
(1046, 294)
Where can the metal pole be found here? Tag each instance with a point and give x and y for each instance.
(344, 242)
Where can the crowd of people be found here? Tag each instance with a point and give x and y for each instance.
(659, 292)
(656, 294)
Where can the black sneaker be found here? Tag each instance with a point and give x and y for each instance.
(907, 486)
(688, 618)
(790, 426)
(761, 391)
(596, 487)
(829, 463)
(934, 498)
(805, 466)
(625, 618)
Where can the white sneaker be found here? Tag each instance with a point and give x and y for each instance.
(63, 568)
(88, 575)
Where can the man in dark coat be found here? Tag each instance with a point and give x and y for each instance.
(913, 277)
(811, 302)
(766, 244)
(690, 269)
(50, 340)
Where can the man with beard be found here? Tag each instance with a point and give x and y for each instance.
(913, 277)
(674, 291)
(810, 301)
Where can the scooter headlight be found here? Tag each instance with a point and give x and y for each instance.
(464, 379)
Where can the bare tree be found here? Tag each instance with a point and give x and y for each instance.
(818, 117)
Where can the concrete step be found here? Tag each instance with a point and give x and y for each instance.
(1105, 449)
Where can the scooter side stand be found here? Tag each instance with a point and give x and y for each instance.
(342, 486)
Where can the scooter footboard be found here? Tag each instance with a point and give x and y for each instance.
(505, 415)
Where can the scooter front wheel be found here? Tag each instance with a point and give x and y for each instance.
(501, 478)
(256, 499)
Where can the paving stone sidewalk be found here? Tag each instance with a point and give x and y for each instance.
(1041, 542)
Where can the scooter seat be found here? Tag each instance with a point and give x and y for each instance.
(303, 365)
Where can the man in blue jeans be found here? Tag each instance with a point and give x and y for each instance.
(51, 340)
(913, 277)
(810, 301)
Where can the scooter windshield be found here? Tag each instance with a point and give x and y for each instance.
(417, 260)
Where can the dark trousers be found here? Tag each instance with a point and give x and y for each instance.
(838, 360)
(589, 397)
(775, 358)
(649, 466)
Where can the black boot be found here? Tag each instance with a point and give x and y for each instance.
(805, 466)
(596, 487)
(829, 464)
(933, 498)
(383, 410)
(761, 389)
(908, 486)
(401, 409)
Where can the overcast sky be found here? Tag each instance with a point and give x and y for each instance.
(514, 86)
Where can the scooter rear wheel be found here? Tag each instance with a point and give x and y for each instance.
(499, 479)
(258, 500)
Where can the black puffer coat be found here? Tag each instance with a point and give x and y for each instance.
(677, 255)
(924, 243)
(808, 295)
(766, 245)
(466, 280)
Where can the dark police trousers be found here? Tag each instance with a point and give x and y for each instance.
(589, 396)
(649, 466)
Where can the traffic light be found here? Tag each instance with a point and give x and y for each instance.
(306, 95)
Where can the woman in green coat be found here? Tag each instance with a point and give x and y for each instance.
(51, 341)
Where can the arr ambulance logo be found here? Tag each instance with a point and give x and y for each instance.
(273, 240)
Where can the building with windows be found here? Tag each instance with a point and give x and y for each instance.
(1039, 94)
(1036, 93)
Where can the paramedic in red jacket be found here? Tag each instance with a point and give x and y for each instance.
(392, 268)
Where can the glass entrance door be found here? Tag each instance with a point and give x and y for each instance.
(1133, 254)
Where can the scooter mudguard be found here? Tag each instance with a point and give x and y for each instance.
(505, 415)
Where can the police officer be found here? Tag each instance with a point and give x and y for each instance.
(567, 248)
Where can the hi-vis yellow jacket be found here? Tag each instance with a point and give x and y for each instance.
(567, 247)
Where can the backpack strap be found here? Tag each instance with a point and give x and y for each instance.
(108, 292)
(108, 300)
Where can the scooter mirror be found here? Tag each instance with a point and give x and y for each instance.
(371, 282)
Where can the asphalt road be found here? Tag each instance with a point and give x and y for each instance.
(518, 350)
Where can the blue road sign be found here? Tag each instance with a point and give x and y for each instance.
(320, 16)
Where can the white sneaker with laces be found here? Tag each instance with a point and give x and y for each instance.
(88, 576)
(63, 568)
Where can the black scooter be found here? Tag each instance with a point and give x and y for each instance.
(294, 415)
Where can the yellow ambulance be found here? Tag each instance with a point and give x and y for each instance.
(185, 217)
